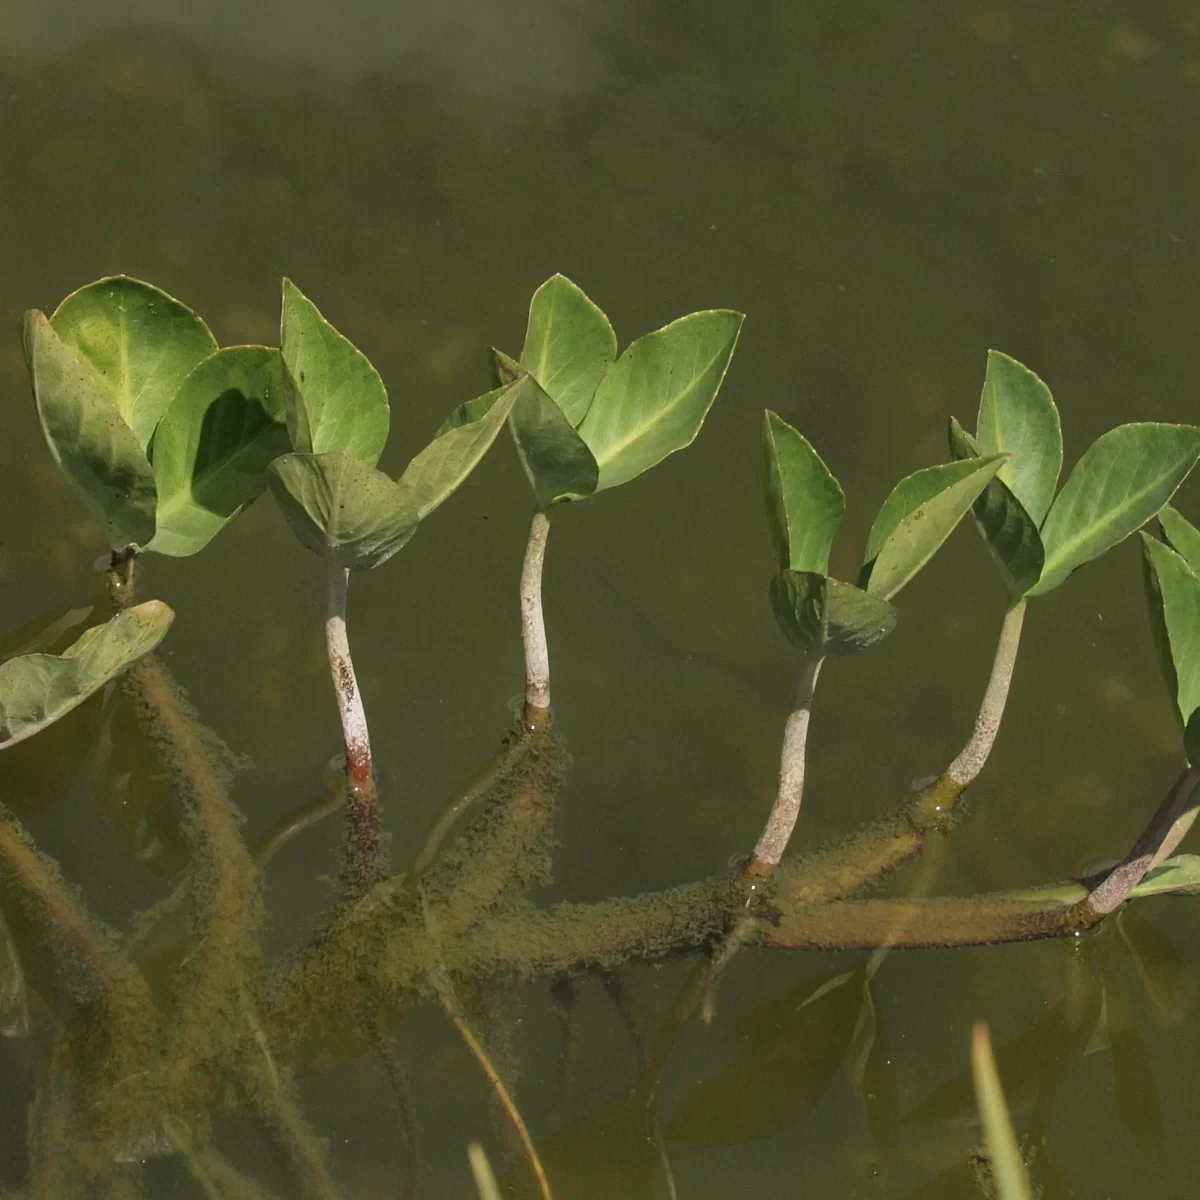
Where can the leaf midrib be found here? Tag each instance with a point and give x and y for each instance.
(616, 448)
(1052, 560)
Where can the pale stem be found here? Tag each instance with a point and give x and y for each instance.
(364, 830)
(533, 627)
(1165, 830)
(963, 770)
(781, 822)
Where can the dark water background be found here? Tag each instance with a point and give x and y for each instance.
(887, 190)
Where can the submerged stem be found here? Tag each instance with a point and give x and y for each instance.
(774, 838)
(533, 627)
(366, 859)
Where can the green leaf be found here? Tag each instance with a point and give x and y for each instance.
(213, 447)
(654, 398)
(569, 345)
(463, 440)
(918, 516)
(805, 503)
(335, 398)
(1121, 481)
(1008, 1167)
(341, 508)
(1173, 592)
(95, 448)
(1181, 535)
(1017, 416)
(503, 369)
(140, 342)
(37, 689)
(1180, 875)
(823, 616)
(1007, 529)
(556, 460)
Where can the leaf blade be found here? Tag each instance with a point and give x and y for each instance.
(1174, 600)
(1121, 481)
(140, 342)
(654, 398)
(805, 503)
(820, 615)
(95, 448)
(1008, 531)
(335, 397)
(340, 508)
(555, 459)
(213, 446)
(569, 344)
(1181, 535)
(37, 689)
(918, 515)
(1017, 416)
(438, 471)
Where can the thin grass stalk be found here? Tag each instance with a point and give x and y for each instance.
(366, 857)
(481, 1171)
(506, 1101)
(533, 625)
(1007, 1167)
(459, 802)
(778, 829)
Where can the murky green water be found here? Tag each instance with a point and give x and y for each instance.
(886, 191)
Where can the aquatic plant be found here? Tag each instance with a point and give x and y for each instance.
(167, 437)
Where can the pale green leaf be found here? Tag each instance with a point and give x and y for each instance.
(435, 473)
(37, 689)
(917, 517)
(1121, 481)
(1007, 529)
(335, 398)
(213, 446)
(503, 368)
(140, 342)
(654, 398)
(805, 503)
(555, 459)
(823, 616)
(1017, 416)
(341, 508)
(1174, 596)
(1008, 1168)
(95, 448)
(1180, 875)
(569, 345)
(1181, 535)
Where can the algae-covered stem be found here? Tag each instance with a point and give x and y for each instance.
(774, 838)
(367, 861)
(533, 626)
